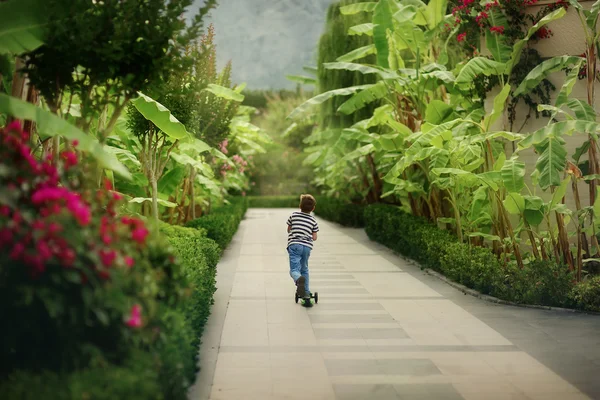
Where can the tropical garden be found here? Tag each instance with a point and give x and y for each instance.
(124, 155)
(422, 133)
(127, 156)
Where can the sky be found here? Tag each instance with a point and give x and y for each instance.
(267, 39)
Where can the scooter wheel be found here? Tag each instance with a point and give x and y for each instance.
(316, 297)
(296, 298)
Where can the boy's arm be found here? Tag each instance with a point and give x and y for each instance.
(314, 236)
(289, 224)
(315, 230)
(289, 228)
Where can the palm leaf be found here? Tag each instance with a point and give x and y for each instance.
(383, 18)
(358, 53)
(323, 97)
(480, 66)
(513, 175)
(225, 93)
(22, 27)
(542, 71)
(305, 80)
(362, 29)
(363, 69)
(364, 97)
(160, 116)
(358, 8)
(519, 45)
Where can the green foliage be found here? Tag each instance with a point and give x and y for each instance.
(539, 282)
(335, 43)
(274, 201)
(342, 212)
(109, 44)
(586, 294)
(474, 267)
(222, 222)
(280, 171)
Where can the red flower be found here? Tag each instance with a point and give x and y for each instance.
(139, 234)
(135, 317)
(129, 261)
(482, 15)
(497, 29)
(461, 37)
(107, 257)
(70, 158)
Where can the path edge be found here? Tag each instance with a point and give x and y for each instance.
(213, 330)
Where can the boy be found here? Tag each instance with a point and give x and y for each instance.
(302, 232)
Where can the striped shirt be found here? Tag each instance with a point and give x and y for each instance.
(303, 226)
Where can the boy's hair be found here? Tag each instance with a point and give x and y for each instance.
(307, 203)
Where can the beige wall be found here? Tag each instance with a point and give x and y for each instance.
(568, 39)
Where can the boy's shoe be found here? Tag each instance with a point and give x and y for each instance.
(300, 289)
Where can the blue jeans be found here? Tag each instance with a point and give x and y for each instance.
(299, 263)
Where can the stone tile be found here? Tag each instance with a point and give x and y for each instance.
(352, 318)
(517, 363)
(349, 249)
(350, 306)
(363, 392)
(427, 392)
(243, 360)
(290, 335)
(455, 364)
(411, 367)
(330, 283)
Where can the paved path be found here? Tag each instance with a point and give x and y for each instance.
(382, 330)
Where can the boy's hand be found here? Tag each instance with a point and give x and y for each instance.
(314, 236)
(289, 229)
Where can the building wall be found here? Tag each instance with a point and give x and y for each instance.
(568, 39)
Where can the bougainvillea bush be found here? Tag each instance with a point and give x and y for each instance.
(80, 286)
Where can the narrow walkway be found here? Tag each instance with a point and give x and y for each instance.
(383, 330)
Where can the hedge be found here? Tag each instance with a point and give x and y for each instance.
(331, 209)
(198, 256)
(222, 222)
(162, 372)
(540, 282)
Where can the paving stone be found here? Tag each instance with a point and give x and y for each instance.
(383, 330)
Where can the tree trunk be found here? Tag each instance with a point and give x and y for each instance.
(154, 198)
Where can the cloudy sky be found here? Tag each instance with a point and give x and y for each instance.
(267, 39)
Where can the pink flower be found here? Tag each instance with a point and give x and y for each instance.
(135, 317)
(461, 37)
(70, 158)
(5, 211)
(497, 29)
(6, 236)
(139, 234)
(17, 251)
(129, 261)
(107, 257)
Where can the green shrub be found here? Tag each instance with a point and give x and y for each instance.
(136, 379)
(586, 294)
(539, 282)
(198, 256)
(222, 222)
(342, 212)
(474, 267)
